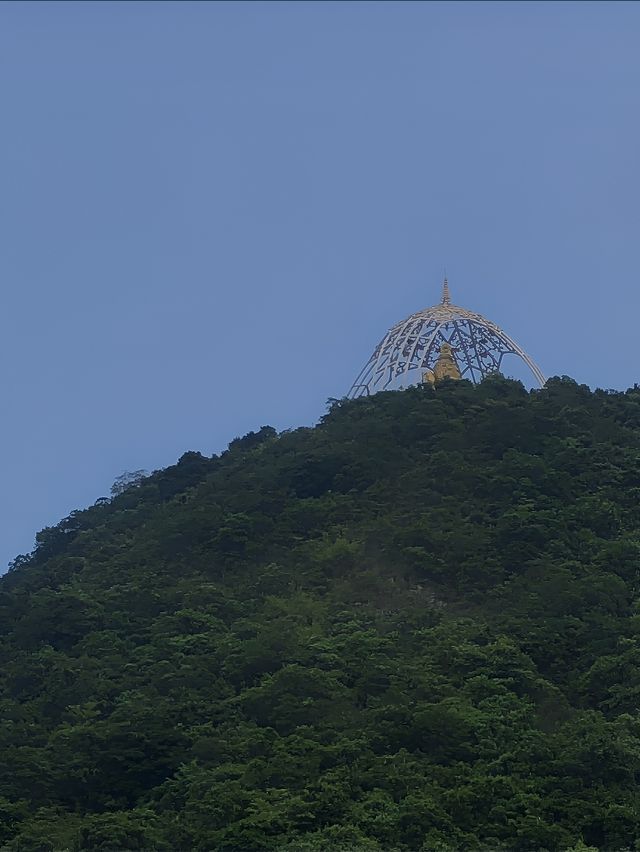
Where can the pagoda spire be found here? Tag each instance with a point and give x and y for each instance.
(446, 297)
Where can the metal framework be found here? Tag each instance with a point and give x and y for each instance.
(412, 347)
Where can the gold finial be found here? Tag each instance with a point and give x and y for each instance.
(446, 298)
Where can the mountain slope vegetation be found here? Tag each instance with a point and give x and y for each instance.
(412, 627)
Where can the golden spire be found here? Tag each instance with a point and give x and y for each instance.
(446, 298)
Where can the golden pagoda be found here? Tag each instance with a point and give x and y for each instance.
(446, 367)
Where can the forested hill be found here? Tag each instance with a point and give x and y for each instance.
(413, 627)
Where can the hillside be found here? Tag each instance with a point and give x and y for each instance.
(413, 627)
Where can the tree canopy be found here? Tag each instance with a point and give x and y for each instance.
(414, 626)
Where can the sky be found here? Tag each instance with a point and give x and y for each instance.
(210, 213)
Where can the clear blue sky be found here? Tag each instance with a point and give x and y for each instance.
(210, 213)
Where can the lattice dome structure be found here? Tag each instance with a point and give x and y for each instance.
(409, 351)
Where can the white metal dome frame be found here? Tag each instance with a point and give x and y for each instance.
(413, 345)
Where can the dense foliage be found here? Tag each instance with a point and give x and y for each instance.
(413, 627)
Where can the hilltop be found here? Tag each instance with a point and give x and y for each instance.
(411, 627)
